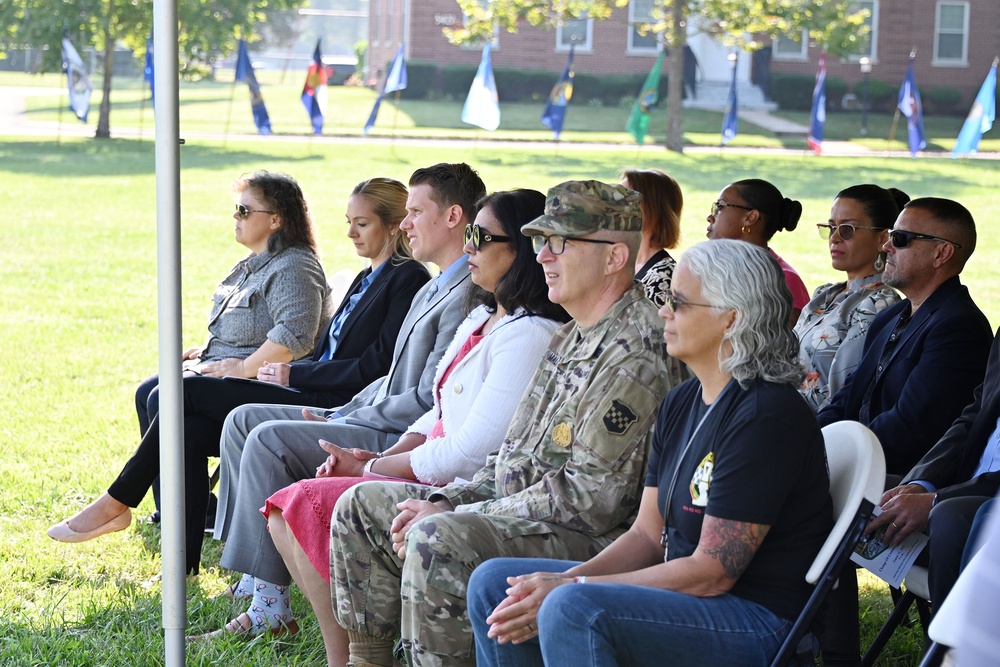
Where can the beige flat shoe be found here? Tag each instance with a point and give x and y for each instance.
(63, 533)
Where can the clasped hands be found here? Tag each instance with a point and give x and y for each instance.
(904, 511)
(515, 619)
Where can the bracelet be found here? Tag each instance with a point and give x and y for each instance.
(369, 464)
(582, 579)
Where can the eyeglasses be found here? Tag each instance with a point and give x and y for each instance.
(557, 244)
(478, 237)
(719, 205)
(900, 238)
(245, 212)
(845, 230)
(673, 302)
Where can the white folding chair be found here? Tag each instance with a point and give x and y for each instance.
(857, 477)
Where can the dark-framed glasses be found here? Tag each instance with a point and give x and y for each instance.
(673, 302)
(478, 237)
(846, 230)
(900, 238)
(245, 212)
(557, 243)
(717, 207)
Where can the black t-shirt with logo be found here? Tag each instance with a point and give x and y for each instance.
(757, 457)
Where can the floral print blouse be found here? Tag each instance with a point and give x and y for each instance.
(831, 332)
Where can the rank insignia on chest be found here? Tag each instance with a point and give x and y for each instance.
(618, 418)
(562, 434)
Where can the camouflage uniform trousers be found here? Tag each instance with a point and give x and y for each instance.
(423, 597)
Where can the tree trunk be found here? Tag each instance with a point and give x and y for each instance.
(675, 80)
(104, 122)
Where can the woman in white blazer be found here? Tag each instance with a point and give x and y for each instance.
(478, 385)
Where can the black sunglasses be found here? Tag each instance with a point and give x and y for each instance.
(478, 237)
(900, 238)
(245, 212)
(557, 243)
(845, 230)
(673, 302)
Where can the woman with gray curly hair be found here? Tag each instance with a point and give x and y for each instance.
(735, 507)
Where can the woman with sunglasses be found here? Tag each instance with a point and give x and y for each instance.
(734, 508)
(353, 349)
(478, 385)
(754, 210)
(832, 326)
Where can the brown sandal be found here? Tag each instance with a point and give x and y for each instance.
(243, 626)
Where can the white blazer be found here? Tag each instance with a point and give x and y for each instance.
(480, 396)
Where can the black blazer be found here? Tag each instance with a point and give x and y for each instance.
(936, 365)
(364, 350)
(952, 461)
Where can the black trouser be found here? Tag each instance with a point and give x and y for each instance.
(949, 528)
(207, 402)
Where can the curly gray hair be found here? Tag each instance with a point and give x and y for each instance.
(741, 277)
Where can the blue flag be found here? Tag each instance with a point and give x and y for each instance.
(147, 72)
(818, 116)
(981, 116)
(555, 109)
(395, 80)
(314, 91)
(482, 106)
(731, 121)
(79, 83)
(244, 72)
(909, 105)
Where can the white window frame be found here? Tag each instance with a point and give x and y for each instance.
(632, 49)
(962, 61)
(802, 55)
(587, 46)
(872, 37)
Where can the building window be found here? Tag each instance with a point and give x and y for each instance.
(787, 48)
(951, 34)
(575, 31)
(641, 11)
(869, 46)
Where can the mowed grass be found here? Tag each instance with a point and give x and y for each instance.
(78, 332)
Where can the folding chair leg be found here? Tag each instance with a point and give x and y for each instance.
(895, 618)
(934, 656)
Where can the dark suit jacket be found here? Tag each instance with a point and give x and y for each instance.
(952, 461)
(938, 362)
(364, 349)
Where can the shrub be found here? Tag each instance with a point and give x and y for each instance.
(517, 85)
(881, 95)
(835, 91)
(792, 92)
(943, 100)
(421, 79)
(457, 79)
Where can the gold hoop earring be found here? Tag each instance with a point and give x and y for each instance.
(745, 229)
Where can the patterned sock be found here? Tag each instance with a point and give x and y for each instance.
(244, 588)
(270, 605)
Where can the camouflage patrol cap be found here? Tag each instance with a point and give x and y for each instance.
(576, 208)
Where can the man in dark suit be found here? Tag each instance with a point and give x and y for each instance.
(943, 492)
(922, 359)
(266, 448)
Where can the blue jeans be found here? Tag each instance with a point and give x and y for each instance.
(618, 624)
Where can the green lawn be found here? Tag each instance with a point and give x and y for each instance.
(78, 332)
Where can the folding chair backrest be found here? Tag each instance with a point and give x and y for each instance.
(857, 477)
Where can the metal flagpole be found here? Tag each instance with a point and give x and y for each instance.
(168, 259)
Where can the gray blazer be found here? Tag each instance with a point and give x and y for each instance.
(391, 403)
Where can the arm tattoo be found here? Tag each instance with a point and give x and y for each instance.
(732, 543)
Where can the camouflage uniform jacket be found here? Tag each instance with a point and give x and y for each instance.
(576, 450)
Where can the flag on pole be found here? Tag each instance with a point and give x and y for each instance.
(314, 90)
(147, 72)
(555, 109)
(638, 119)
(79, 83)
(482, 106)
(395, 80)
(818, 116)
(731, 121)
(909, 105)
(244, 72)
(981, 116)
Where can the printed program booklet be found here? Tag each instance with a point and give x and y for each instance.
(888, 563)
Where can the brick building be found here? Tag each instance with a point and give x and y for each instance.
(955, 42)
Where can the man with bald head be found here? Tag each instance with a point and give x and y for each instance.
(922, 360)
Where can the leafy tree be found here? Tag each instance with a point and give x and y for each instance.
(207, 29)
(835, 25)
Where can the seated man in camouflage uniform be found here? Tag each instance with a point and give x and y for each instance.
(565, 482)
